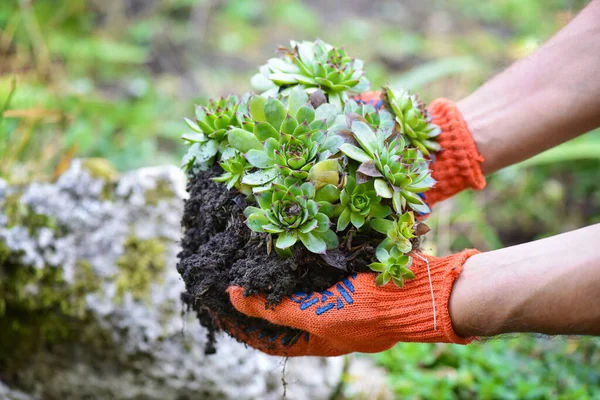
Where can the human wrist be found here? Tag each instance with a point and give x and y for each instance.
(488, 116)
(476, 307)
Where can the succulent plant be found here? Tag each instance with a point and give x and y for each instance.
(214, 119)
(289, 211)
(313, 65)
(377, 119)
(413, 120)
(210, 130)
(392, 266)
(235, 168)
(307, 155)
(200, 152)
(399, 232)
(358, 203)
(393, 261)
(285, 140)
(399, 172)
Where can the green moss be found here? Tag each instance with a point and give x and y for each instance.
(4, 253)
(142, 263)
(19, 214)
(101, 168)
(38, 308)
(162, 191)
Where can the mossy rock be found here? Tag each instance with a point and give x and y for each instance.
(142, 263)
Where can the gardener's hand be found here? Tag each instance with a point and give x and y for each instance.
(355, 315)
(458, 165)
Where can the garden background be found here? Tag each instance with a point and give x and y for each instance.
(113, 79)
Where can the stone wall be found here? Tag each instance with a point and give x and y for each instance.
(89, 299)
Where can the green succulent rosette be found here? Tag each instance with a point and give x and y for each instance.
(312, 65)
(413, 120)
(399, 172)
(285, 139)
(210, 131)
(291, 214)
(358, 204)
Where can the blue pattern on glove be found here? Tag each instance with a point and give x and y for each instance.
(327, 300)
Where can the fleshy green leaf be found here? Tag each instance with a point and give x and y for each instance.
(398, 282)
(274, 112)
(260, 177)
(409, 274)
(296, 99)
(345, 196)
(243, 140)
(382, 225)
(336, 100)
(289, 125)
(264, 131)
(381, 252)
(379, 211)
(248, 211)
(343, 220)
(382, 279)
(323, 222)
(264, 200)
(305, 113)
(194, 137)
(326, 208)
(272, 228)
(257, 108)
(192, 124)
(309, 226)
(415, 202)
(357, 220)
(329, 193)
(203, 151)
(365, 136)
(308, 189)
(330, 239)
(259, 159)
(286, 240)
(256, 222)
(313, 243)
(377, 267)
(383, 189)
(327, 112)
(354, 152)
(397, 202)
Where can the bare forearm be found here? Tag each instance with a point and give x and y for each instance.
(541, 101)
(549, 286)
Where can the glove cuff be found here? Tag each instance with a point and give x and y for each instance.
(454, 268)
(410, 316)
(458, 165)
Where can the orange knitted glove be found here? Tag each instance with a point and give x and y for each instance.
(458, 165)
(354, 315)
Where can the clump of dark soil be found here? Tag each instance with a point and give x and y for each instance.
(219, 250)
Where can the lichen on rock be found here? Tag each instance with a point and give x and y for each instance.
(90, 299)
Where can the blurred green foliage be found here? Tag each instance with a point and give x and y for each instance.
(521, 368)
(113, 79)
